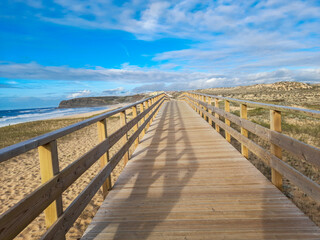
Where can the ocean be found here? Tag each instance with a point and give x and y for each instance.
(10, 117)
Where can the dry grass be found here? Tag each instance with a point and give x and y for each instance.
(298, 126)
(20, 175)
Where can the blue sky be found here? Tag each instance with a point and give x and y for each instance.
(60, 49)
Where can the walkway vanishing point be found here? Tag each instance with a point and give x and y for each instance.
(185, 181)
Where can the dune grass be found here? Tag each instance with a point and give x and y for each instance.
(13, 134)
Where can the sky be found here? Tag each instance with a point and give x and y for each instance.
(61, 49)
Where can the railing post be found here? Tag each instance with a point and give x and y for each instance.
(102, 135)
(145, 107)
(198, 110)
(192, 100)
(49, 166)
(275, 125)
(141, 107)
(148, 106)
(204, 108)
(227, 121)
(209, 100)
(135, 127)
(123, 122)
(216, 104)
(244, 132)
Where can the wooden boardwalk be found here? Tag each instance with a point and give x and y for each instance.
(185, 181)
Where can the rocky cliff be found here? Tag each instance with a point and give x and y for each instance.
(98, 101)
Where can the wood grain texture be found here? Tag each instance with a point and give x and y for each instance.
(61, 227)
(123, 122)
(22, 147)
(307, 112)
(244, 132)
(226, 120)
(275, 125)
(302, 150)
(304, 183)
(185, 181)
(13, 221)
(102, 135)
(216, 104)
(135, 128)
(49, 167)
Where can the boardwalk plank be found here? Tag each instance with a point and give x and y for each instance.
(185, 181)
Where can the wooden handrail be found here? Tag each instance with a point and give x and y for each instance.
(13, 221)
(22, 147)
(308, 153)
(61, 227)
(308, 112)
(304, 151)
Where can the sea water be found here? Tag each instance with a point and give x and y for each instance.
(9, 117)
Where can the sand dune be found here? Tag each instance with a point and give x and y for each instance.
(20, 175)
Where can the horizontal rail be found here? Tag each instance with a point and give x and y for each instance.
(308, 112)
(304, 151)
(304, 183)
(25, 146)
(13, 221)
(61, 227)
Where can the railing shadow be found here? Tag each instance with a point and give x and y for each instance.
(147, 187)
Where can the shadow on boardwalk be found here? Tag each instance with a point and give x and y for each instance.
(169, 121)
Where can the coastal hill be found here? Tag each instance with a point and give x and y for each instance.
(99, 101)
(283, 93)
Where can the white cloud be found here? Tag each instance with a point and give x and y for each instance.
(152, 79)
(195, 19)
(79, 94)
(115, 91)
(229, 35)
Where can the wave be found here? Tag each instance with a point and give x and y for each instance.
(10, 117)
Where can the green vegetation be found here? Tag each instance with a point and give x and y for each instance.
(13, 134)
(257, 112)
(312, 106)
(236, 112)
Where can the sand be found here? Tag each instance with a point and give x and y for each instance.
(20, 175)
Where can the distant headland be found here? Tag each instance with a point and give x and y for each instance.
(99, 101)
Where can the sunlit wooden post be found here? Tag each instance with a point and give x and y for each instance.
(135, 127)
(199, 97)
(205, 109)
(227, 121)
(202, 108)
(145, 107)
(244, 132)
(102, 135)
(49, 166)
(157, 99)
(192, 101)
(141, 109)
(195, 102)
(152, 102)
(216, 104)
(123, 122)
(275, 125)
(209, 100)
(148, 106)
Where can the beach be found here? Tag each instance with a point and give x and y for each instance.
(90, 114)
(20, 175)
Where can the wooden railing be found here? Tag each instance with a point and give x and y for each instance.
(203, 104)
(47, 197)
